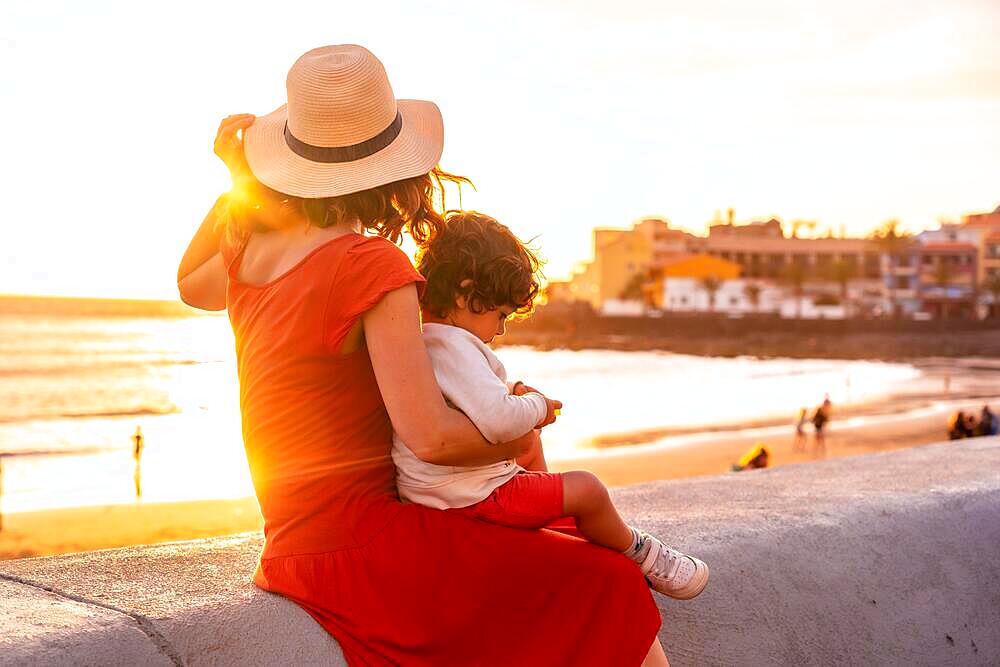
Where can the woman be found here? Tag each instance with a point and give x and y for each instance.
(329, 351)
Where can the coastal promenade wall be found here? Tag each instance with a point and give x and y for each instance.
(887, 559)
(712, 334)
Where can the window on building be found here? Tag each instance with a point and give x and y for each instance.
(903, 282)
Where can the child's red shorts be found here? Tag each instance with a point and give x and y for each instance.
(528, 500)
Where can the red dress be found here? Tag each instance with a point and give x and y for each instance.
(397, 584)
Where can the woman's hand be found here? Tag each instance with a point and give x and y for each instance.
(229, 146)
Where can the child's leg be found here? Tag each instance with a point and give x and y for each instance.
(586, 498)
(668, 571)
(534, 459)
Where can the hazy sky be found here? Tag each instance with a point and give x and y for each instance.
(567, 116)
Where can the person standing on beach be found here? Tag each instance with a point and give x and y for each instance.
(820, 419)
(324, 307)
(138, 445)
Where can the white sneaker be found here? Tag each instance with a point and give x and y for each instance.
(672, 573)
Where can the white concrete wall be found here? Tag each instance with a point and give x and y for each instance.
(623, 308)
(889, 559)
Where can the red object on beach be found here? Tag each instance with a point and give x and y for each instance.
(397, 583)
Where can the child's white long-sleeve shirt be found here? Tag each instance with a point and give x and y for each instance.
(473, 380)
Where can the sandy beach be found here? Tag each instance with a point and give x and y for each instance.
(913, 417)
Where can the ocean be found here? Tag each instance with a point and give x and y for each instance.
(78, 377)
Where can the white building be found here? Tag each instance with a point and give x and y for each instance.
(688, 295)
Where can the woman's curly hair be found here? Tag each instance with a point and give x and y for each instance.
(412, 205)
(476, 257)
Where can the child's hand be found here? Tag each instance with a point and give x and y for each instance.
(552, 407)
(551, 412)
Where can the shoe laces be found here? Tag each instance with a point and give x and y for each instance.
(668, 563)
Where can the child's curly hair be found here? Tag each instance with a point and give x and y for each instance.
(501, 269)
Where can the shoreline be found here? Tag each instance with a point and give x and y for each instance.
(913, 415)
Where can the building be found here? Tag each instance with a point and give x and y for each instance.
(985, 231)
(947, 277)
(770, 229)
(624, 259)
(731, 297)
(979, 220)
(695, 267)
(939, 272)
(621, 257)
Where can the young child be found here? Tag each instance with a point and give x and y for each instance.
(478, 275)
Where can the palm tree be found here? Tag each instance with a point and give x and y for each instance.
(993, 287)
(842, 272)
(633, 288)
(795, 275)
(891, 241)
(711, 284)
(752, 292)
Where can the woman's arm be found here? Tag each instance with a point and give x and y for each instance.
(201, 276)
(433, 431)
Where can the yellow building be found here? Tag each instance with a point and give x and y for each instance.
(988, 227)
(619, 256)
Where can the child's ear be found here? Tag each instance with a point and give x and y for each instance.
(460, 301)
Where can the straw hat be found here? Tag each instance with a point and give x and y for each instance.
(342, 130)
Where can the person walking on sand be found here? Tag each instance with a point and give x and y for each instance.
(799, 443)
(330, 356)
(138, 444)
